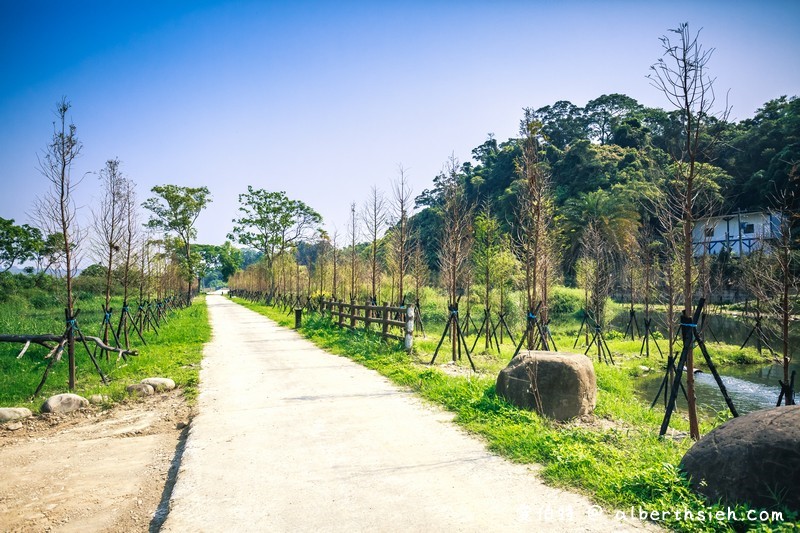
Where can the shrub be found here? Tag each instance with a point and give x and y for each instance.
(565, 301)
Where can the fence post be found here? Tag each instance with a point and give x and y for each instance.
(409, 328)
(385, 320)
(341, 314)
(352, 314)
(298, 318)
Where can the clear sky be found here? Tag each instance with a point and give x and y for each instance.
(325, 99)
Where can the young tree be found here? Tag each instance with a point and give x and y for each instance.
(772, 271)
(108, 220)
(353, 231)
(175, 210)
(55, 211)
(455, 244)
(373, 214)
(335, 258)
(534, 215)
(597, 269)
(681, 75)
(401, 206)
(484, 253)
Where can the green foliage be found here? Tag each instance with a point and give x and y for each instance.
(175, 210)
(272, 221)
(565, 301)
(619, 149)
(17, 243)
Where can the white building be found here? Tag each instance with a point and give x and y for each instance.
(739, 234)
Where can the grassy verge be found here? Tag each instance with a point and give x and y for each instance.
(618, 460)
(174, 353)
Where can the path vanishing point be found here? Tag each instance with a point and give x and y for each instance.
(291, 438)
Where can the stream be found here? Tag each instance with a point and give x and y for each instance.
(751, 387)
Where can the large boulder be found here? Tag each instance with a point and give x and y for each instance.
(754, 458)
(558, 385)
(8, 414)
(64, 403)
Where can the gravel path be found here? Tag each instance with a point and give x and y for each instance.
(291, 438)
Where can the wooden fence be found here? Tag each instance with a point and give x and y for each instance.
(348, 315)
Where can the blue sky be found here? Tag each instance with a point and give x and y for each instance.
(325, 99)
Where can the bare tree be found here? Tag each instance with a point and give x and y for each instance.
(353, 231)
(420, 272)
(455, 244)
(130, 237)
(335, 258)
(108, 220)
(681, 75)
(401, 206)
(772, 272)
(373, 214)
(598, 266)
(534, 215)
(55, 210)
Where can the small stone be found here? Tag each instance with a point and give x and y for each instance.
(12, 413)
(644, 368)
(14, 426)
(97, 399)
(159, 384)
(140, 389)
(64, 403)
(181, 425)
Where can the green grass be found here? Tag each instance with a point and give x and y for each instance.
(619, 462)
(174, 353)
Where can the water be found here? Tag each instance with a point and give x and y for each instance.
(751, 387)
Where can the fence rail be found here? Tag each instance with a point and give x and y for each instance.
(347, 315)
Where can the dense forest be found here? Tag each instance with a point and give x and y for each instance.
(609, 159)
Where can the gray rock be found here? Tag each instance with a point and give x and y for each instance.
(64, 403)
(140, 389)
(14, 426)
(8, 414)
(160, 384)
(752, 459)
(558, 385)
(97, 399)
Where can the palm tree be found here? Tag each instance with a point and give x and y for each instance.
(612, 213)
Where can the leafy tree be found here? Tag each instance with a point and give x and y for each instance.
(17, 243)
(563, 123)
(272, 223)
(604, 114)
(229, 260)
(612, 215)
(175, 210)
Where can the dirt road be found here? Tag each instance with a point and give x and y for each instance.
(91, 470)
(290, 438)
